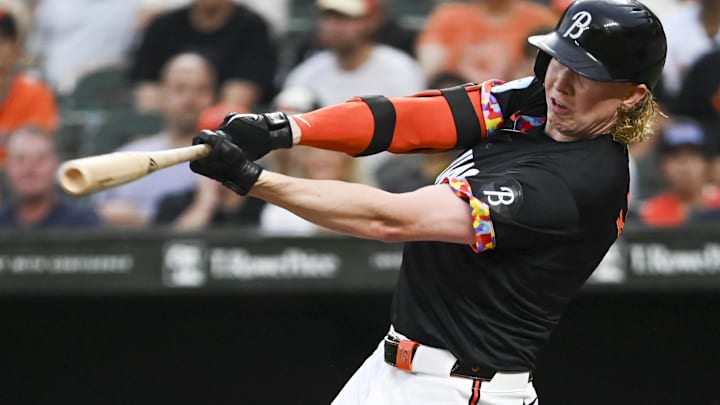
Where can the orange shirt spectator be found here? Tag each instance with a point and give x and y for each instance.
(24, 101)
(667, 210)
(28, 102)
(479, 40)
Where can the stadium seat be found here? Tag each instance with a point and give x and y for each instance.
(101, 89)
(118, 128)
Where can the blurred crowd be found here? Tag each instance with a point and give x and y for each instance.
(82, 77)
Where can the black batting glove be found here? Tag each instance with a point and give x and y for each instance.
(257, 134)
(227, 163)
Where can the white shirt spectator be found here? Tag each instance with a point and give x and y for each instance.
(387, 71)
(72, 37)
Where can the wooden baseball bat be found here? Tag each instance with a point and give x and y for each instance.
(94, 173)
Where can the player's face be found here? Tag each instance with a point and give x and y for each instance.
(582, 108)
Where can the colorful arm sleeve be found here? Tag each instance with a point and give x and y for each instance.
(480, 212)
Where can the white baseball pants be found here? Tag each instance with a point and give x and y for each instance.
(378, 383)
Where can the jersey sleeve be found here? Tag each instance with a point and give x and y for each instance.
(525, 208)
(434, 120)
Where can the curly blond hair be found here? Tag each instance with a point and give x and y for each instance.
(636, 123)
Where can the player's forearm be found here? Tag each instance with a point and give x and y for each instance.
(353, 209)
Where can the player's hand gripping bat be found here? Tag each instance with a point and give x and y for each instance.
(87, 175)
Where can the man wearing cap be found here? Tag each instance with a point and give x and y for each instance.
(24, 99)
(353, 64)
(387, 30)
(538, 192)
(684, 163)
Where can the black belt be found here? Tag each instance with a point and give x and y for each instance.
(407, 351)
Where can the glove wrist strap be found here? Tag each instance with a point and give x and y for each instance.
(279, 130)
(243, 179)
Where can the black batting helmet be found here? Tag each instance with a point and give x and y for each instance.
(606, 40)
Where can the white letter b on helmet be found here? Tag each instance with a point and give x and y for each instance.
(581, 20)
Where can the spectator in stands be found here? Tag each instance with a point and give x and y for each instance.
(233, 38)
(387, 30)
(684, 163)
(24, 99)
(479, 39)
(275, 12)
(353, 65)
(699, 95)
(692, 31)
(71, 38)
(36, 202)
(187, 88)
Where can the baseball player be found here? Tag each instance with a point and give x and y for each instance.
(538, 192)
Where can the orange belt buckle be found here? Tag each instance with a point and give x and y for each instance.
(405, 351)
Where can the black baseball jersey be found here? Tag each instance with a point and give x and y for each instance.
(545, 213)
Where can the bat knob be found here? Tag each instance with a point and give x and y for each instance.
(73, 180)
